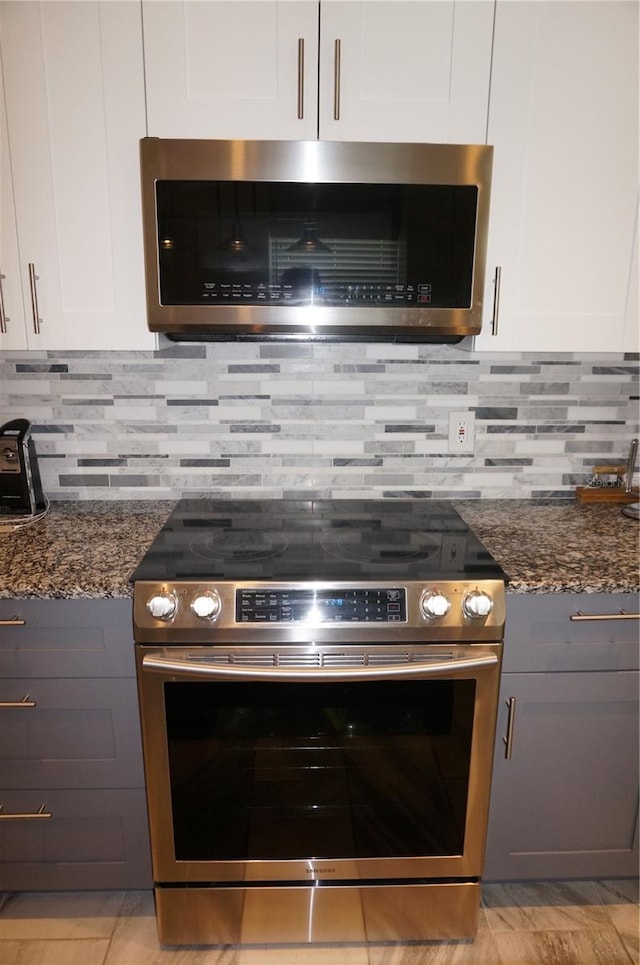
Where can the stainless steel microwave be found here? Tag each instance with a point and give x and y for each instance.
(314, 240)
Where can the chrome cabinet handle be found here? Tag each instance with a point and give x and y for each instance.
(580, 617)
(300, 78)
(497, 279)
(40, 814)
(33, 278)
(25, 702)
(3, 317)
(13, 622)
(337, 52)
(631, 464)
(511, 719)
(436, 668)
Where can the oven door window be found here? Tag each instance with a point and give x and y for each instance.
(283, 770)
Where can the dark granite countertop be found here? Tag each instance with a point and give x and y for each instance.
(558, 546)
(89, 549)
(80, 549)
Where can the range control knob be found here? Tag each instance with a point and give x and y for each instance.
(206, 605)
(476, 604)
(163, 606)
(434, 605)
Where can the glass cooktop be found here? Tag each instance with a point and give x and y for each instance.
(316, 540)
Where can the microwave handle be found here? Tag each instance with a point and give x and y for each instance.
(435, 668)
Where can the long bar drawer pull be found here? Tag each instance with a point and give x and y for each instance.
(511, 719)
(13, 622)
(33, 279)
(300, 78)
(337, 57)
(25, 702)
(580, 617)
(40, 815)
(497, 281)
(4, 318)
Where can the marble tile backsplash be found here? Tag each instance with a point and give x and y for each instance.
(318, 420)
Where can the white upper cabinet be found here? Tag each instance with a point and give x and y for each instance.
(234, 69)
(358, 70)
(563, 120)
(405, 71)
(12, 317)
(74, 91)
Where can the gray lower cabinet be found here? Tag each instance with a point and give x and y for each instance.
(71, 776)
(565, 789)
(565, 783)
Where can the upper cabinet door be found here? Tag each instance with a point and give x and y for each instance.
(74, 92)
(564, 123)
(358, 70)
(405, 71)
(231, 69)
(13, 333)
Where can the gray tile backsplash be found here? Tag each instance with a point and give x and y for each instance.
(318, 420)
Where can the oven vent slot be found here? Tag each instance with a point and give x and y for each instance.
(215, 658)
(386, 659)
(251, 659)
(344, 659)
(298, 659)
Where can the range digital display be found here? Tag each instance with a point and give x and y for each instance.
(318, 606)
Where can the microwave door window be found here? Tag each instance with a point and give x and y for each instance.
(350, 245)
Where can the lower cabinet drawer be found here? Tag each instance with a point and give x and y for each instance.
(66, 638)
(70, 733)
(73, 840)
(570, 632)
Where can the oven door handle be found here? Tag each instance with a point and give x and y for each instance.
(433, 668)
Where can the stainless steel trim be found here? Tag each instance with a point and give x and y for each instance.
(13, 622)
(40, 814)
(302, 914)
(195, 159)
(497, 281)
(25, 702)
(390, 672)
(300, 78)
(33, 288)
(580, 617)
(511, 719)
(3, 317)
(337, 56)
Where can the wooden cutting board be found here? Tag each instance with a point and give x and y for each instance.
(593, 494)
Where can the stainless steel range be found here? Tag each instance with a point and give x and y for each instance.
(318, 688)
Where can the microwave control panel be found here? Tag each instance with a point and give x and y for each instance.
(343, 294)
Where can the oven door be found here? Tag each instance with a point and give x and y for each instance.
(302, 766)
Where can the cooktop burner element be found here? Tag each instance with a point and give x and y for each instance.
(240, 546)
(380, 548)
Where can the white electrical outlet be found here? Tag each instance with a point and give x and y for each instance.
(462, 426)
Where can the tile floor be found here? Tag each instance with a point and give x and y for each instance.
(532, 923)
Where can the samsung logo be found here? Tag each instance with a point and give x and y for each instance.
(321, 871)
